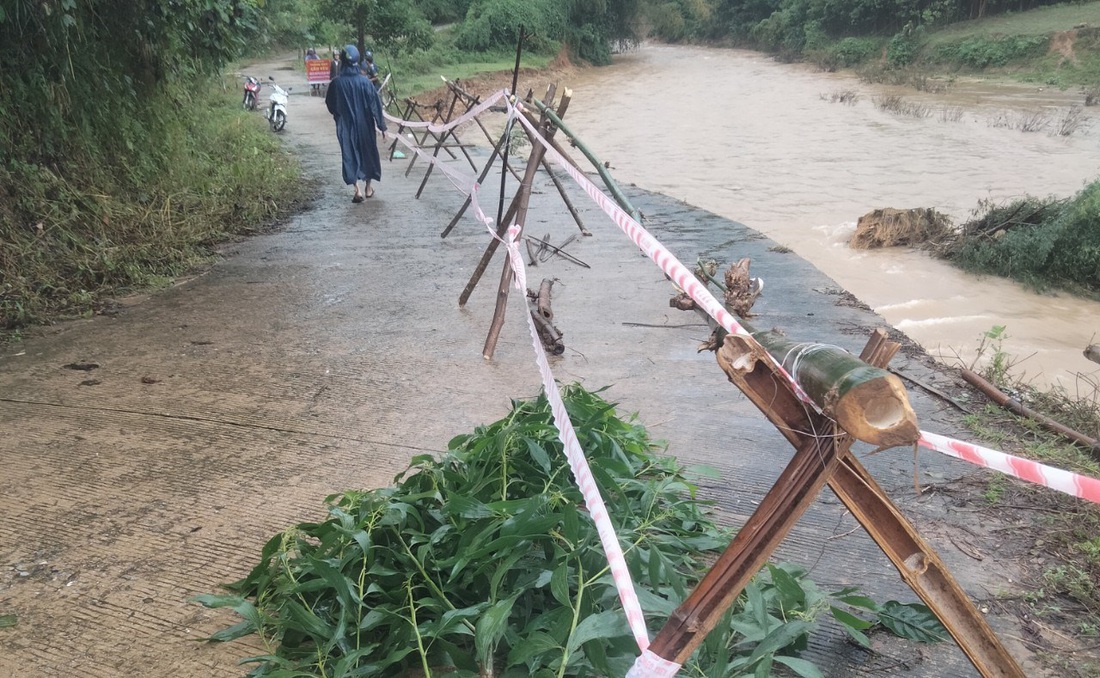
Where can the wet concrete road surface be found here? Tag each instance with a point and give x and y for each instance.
(323, 356)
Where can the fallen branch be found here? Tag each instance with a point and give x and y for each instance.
(1016, 407)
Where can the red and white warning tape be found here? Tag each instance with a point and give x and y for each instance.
(1073, 484)
(582, 473)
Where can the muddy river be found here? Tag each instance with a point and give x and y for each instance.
(760, 142)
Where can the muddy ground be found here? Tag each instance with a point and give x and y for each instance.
(148, 454)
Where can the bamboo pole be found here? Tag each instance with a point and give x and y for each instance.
(601, 168)
(869, 403)
(1016, 407)
(565, 198)
(533, 163)
(822, 456)
(484, 173)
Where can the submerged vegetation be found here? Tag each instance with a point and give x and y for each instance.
(1044, 243)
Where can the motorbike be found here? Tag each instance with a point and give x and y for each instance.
(251, 93)
(276, 112)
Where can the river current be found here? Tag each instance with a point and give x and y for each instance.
(760, 142)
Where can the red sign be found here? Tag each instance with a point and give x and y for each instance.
(317, 71)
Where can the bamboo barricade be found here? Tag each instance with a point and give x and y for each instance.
(842, 386)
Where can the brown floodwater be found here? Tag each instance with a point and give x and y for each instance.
(741, 135)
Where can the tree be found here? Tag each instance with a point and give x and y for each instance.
(393, 25)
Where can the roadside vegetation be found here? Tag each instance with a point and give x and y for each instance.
(122, 162)
(1058, 541)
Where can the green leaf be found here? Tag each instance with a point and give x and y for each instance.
(801, 667)
(912, 621)
(790, 591)
(491, 627)
(853, 625)
(606, 625)
(538, 454)
(559, 585)
(860, 601)
(238, 630)
(532, 646)
(467, 507)
(8, 620)
(214, 602)
(782, 636)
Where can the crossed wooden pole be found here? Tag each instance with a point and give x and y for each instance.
(823, 456)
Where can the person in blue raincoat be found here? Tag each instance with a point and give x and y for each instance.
(354, 104)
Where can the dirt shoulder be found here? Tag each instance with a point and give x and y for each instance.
(149, 455)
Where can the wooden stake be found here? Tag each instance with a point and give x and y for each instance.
(533, 162)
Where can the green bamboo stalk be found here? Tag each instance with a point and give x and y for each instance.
(612, 186)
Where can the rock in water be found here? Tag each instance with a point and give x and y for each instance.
(1093, 353)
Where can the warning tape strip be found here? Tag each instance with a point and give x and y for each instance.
(443, 127)
(582, 473)
(1082, 487)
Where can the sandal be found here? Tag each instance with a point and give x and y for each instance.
(357, 198)
(370, 192)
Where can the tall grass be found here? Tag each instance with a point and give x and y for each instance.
(72, 234)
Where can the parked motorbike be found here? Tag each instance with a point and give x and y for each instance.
(251, 93)
(276, 112)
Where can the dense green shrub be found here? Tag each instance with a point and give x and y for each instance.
(903, 48)
(496, 24)
(854, 51)
(1043, 243)
(982, 52)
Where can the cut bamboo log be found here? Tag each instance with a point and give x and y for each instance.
(543, 305)
(868, 402)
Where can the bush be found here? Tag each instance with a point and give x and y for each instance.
(1043, 243)
(903, 48)
(854, 51)
(496, 24)
(982, 52)
(195, 176)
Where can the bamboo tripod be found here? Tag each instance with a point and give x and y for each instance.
(823, 456)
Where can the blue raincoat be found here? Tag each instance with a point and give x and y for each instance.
(354, 104)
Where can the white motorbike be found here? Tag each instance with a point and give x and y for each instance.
(276, 111)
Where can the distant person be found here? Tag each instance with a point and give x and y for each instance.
(370, 69)
(311, 55)
(357, 110)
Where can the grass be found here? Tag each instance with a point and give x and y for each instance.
(1068, 582)
(1040, 21)
(66, 247)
